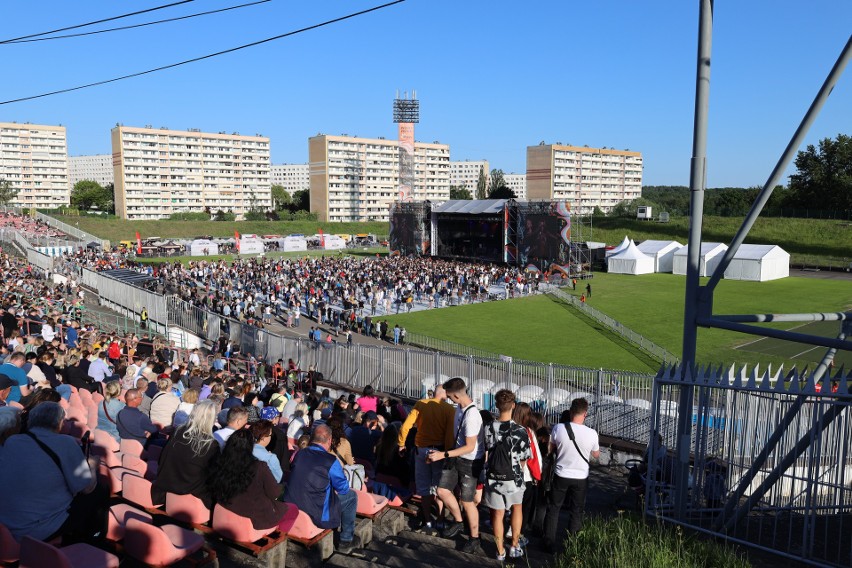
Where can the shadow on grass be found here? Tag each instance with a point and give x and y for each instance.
(644, 358)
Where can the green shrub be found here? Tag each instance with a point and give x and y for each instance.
(627, 540)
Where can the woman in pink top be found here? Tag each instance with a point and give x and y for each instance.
(368, 402)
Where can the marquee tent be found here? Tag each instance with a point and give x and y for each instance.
(289, 244)
(202, 247)
(630, 261)
(333, 242)
(251, 244)
(711, 254)
(661, 251)
(759, 263)
(622, 246)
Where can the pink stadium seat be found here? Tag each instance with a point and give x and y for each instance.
(304, 528)
(97, 397)
(137, 490)
(187, 509)
(107, 456)
(92, 417)
(105, 440)
(234, 527)
(119, 514)
(369, 504)
(10, 550)
(113, 477)
(37, 554)
(159, 546)
(148, 470)
(131, 447)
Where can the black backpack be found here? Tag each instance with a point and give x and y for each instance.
(500, 456)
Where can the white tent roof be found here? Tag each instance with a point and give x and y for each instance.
(653, 247)
(706, 248)
(623, 245)
(632, 251)
(757, 252)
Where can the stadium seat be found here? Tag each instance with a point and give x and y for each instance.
(237, 528)
(10, 550)
(369, 504)
(187, 509)
(37, 554)
(555, 396)
(137, 490)
(132, 447)
(105, 440)
(159, 546)
(106, 455)
(117, 519)
(304, 528)
(508, 385)
(478, 391)
(113, 477)
(148, 470)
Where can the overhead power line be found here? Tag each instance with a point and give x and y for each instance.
(208, 56)
(139, 25)
(155, 8)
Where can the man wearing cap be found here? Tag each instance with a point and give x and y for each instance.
(5, 387)
(13, 368)
(434, 419)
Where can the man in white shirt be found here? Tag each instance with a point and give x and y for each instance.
(467, 458)
(99, 369)
(237, 420)
(571, 479)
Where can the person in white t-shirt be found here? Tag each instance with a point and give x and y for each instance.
(465, 465)
(571, 479)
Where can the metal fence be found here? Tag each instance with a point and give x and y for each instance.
(770, 462)
(70, 230)
(616, 326)
(126, 299)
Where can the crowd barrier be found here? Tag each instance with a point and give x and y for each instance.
(69, 230)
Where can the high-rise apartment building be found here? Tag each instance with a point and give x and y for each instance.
(466, 174)
(160, 171)
(292, 177)
(356, 179)
(95, 168)
(34, 159)
(585, 177)
(517, 183)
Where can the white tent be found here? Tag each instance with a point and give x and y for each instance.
(630, 261)
(759, 263)
(289, 244)
(623, 245)
(333, 242)
(202, 247)
(251, 244)
(711, 255)
(661, 251)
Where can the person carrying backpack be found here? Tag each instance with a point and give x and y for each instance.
(508, 446)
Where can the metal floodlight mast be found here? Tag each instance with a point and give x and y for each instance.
(406, 111)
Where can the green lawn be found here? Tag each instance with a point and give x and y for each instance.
(542, 329)
(116, 230)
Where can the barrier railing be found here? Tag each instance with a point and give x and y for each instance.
(617, 327)
(127, 299)
(69, 230)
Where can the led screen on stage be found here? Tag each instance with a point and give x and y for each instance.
(471, 237)
(544, 235)
(406, 232)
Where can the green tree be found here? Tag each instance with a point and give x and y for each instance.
(460, 192)
(497, 181)
(481, 184)
(88, 194)
(7, 192)
(502, 192)
(301, 201)
(280, 198)
(823, 178)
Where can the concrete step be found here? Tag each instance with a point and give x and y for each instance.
(356, 560)
(441, 552)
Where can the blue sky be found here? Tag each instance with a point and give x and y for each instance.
(493, 76)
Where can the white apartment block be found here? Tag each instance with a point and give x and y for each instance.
(34, 159)
(95, 168)
(292, 177)
(585, 177)
(517, 183)
(160, 171)
(356, 179)
(466, 174)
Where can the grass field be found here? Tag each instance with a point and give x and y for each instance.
(542, 329)
(116, 230)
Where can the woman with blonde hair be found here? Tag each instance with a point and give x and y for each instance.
(184, 409)
(109, 408)
(186, 457)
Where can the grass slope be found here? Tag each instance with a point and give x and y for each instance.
(116, 230)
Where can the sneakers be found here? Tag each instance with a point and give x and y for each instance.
(516, 552)
(501, 557)
(452, 530)
(347, 546)
(523, 541)
(472, 546)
